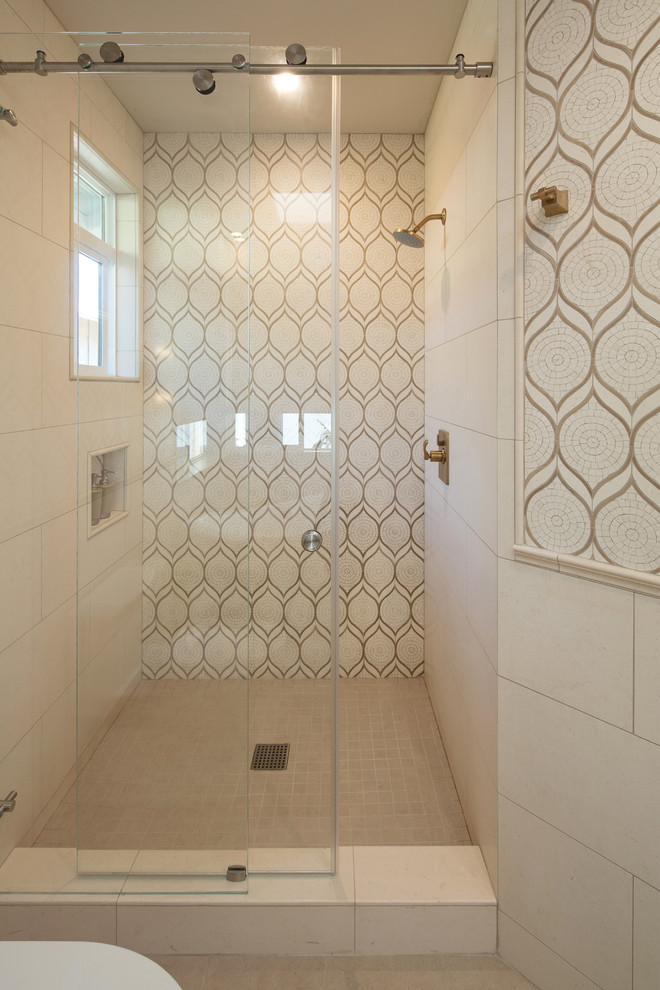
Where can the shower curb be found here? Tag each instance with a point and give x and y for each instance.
(384, 900)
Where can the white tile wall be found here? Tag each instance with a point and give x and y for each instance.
(579, 761)
(38, 437)
(57, 207)
(20, 585)
(584, 776)
(481, 186)
(58, 392)
(647, 667)
(58, 742)
(54, 660)
(213, 927)
(58, 564)
(463, 396)
(546, 968)
(574, 901)
(20, 379)
(17, 682)
(569, 639)
(92, 919)
(646, 944)
(45, 310)
(20, 180)
(20, 770)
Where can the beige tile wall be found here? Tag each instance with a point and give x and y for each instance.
(463, 344)
(579, 771)
(38, 446)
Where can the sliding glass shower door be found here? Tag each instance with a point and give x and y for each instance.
(164, 533)
(204, 347)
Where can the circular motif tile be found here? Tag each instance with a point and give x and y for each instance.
(628, 357)
(594, 443)
(558, 359)
(558, 520)
(628, 532)
(594, 103)
(559, 36)
(594, 273)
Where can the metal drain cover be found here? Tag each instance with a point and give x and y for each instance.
(270, 756)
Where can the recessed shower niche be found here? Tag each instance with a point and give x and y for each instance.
(106, 487)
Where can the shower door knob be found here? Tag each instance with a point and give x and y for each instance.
(311, 540)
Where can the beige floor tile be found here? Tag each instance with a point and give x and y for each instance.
(265, 973)
(361, 973)
(188, 971)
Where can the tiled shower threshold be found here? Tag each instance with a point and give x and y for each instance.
(383, 900)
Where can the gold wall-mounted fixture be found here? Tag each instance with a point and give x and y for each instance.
(554, 201)
(440, 456)
(411, 237)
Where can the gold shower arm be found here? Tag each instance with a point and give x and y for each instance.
(432, 216)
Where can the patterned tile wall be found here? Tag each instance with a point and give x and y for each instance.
(197, 367)
(381, 407)
(592, 341)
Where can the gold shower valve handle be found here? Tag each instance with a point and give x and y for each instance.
(439, 456)
(436, 456)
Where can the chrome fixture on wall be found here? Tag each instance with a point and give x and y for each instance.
(9, 116)
(410, 237)
(9, 803)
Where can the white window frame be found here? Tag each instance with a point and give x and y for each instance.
(104, 251)
(119, 253)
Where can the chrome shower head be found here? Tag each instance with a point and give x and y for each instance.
(410, 237)
(204, 81)
(111, 52)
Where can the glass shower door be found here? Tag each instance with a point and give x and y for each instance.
(163, 590)
(294, 456)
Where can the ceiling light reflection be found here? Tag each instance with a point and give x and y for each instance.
(286, 82)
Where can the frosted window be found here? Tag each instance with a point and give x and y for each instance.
(91, 208)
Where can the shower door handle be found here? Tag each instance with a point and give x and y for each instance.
(311, 540)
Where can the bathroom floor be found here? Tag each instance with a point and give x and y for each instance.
(448, 972)
(170, 772)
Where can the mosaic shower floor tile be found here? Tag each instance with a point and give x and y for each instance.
(171, 771)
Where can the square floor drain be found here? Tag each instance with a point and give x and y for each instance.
(270, 756)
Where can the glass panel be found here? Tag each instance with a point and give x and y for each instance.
(163, 593)
(90, 309)
(91, 208)
(153, 564)
(293, 347)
